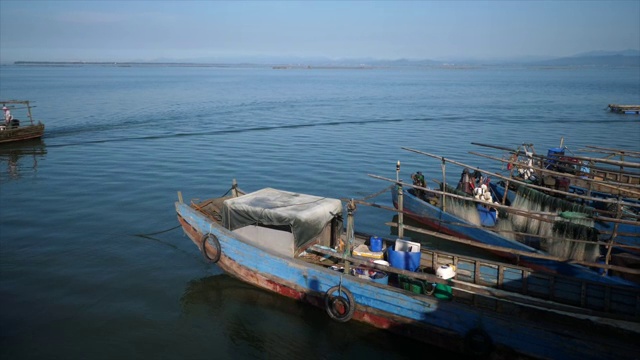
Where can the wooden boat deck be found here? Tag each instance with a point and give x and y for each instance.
(498, 284)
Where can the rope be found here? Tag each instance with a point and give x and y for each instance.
(378, 193)
(228, 191)
(156, 233)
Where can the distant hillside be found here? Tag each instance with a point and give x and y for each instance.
(593, 60)
(623, 58)
(628, 52)
(629, 57)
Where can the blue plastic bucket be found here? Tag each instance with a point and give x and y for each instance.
(404, 259)
(375, 244)
(553, 154)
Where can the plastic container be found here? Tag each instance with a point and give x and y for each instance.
(414, 285)
(363, 251)
(380, 277)
(382, 262)
(404, 259)
(375, 244)
(405, 255)
(406, 245)
(443, 292)
(553, 154)
(446, 272)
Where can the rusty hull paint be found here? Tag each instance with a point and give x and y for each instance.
(409, 328)
(251, 277)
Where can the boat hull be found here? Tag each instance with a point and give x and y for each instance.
(291, 278)
(459, 324)
(627, 234)
(22, 133)
(444, 222)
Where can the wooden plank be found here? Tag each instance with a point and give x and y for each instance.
(608, 184)
(615, 151)
(538, 156)
(487, 292)
(613, 201)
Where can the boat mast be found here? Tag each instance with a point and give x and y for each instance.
(400, 203)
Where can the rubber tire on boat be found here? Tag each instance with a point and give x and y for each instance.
(348, 303)
(478, 343)
(213, 240)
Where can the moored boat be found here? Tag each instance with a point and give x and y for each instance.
(562, 232)
(600, 177)
(578, 184)
(624, 109)
(295, 245)
(15, 129)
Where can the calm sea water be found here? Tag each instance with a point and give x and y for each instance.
(92, 265)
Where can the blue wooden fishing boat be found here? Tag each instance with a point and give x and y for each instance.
(296, 245)
(623, 236)
(601, 193)
(631, 227)
(573, 249)
(446, 222)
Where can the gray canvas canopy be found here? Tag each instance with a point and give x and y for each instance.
(306, 215)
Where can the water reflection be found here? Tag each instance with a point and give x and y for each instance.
(253, 323)
(21, 158)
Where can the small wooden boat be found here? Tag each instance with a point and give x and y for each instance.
(295, 245)
(624, 109)
(19, 129)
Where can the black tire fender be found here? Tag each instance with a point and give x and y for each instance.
(340, 308)
(208, 241)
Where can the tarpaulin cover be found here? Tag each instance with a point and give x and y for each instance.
(306, 215)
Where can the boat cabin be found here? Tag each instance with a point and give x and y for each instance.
(288, 222)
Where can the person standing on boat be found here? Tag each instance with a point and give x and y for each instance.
(418, 180)
(465, 183)
(7, 115)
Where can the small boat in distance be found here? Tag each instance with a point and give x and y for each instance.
(14, 129)
(624, 109)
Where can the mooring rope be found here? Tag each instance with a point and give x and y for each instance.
(159, 232)
(228, 191)
(378, 193)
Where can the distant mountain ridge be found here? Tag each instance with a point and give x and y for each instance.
(628, 52)
(628, 57)
(598, 58)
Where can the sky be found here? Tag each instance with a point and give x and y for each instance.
(109, 30)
